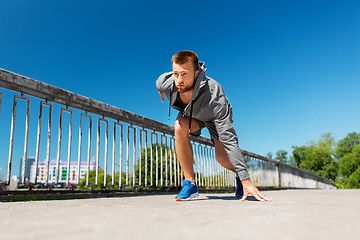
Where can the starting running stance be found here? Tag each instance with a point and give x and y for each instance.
(201, 102)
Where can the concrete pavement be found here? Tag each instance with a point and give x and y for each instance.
(292, 214)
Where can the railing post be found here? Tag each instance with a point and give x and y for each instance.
(278, 170)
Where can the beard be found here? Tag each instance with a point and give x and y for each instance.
(185, 89)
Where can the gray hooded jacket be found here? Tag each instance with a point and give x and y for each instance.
(210, 106)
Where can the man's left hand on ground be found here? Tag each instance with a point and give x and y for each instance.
(250, 189)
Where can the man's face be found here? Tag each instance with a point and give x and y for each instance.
(184, 76)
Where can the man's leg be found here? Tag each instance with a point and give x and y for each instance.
(183, 146)
(222, 157)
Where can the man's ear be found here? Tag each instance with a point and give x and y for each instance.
(196, 74)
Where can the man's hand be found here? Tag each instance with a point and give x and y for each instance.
(162, 96)
(250, 189)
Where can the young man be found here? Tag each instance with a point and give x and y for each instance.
(201, 102)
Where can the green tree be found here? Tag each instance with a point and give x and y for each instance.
(282, 156)
(100, 185)
(161, 150)
(318, 157)
(349, 167)
(347, 144)
(299, 154)
(269, 155)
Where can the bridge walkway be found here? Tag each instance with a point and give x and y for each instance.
(292, 214)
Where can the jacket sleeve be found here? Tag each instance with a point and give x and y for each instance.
(227, 136)
(164, 83)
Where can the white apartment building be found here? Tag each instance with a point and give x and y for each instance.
(74, 173)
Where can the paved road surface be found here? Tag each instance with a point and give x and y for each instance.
(293, 214)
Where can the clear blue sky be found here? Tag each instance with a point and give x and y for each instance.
(291, 69)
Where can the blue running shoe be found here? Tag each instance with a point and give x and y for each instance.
(239, 188)
(188, 191)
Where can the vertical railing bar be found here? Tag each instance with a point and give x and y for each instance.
(26, 137)
(208, 169)
(146, 156)
(127, 155)
(113, 156)
(229, 178)
(178, 170)
(172, 160)
(48, 142)
(58, 147)
(69, 146)
(79, 147)
(214, 167)
(226, 177)
(152, 159)
(205, 166)
(175, 164)
(216, 179)
(161, 161)
(195, 163)
(206, 152)
(166, 161)
(106, 149)
(12, 137)
(38, 143)
(206, 157)
(278, 170)
(140, 155)
(201, 165)
(143, 131)
(211, 167)
(89, 151)
(157, 161)
(120, 153)
(97, 152)
(134, 157)
(222, 176)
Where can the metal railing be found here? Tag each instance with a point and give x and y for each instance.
(148, 160)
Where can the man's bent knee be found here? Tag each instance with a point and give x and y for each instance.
(182, 125)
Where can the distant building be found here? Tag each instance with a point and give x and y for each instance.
(62, 171)
(29, 163)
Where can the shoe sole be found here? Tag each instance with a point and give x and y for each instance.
(194, 195)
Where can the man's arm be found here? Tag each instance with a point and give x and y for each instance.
(163, 84)
(228, 138)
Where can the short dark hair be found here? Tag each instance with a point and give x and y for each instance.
(186, 56)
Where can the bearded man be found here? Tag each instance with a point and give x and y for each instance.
(201, 103)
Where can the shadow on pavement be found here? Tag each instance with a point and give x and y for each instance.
(249, 198)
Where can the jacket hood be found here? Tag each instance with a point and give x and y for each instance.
(200, 81)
